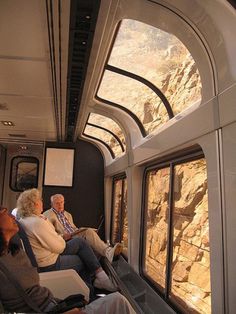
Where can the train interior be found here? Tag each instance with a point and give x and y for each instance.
(127, 108)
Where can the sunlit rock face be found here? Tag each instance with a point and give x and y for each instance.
(120, 215)
(116, 212)
(190, 267)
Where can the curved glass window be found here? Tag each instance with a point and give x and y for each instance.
(109, 124)
(156, 56)
(136, 97)
(105, 137)
(161, 58)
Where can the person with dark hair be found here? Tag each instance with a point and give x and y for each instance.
(52, 252)
(14, 260)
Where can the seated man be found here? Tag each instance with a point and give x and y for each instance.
(64, 225)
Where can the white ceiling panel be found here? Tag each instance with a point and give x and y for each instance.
(29, 135)
(28, 106)
(20, 77)
(22, 124)
(23, 28)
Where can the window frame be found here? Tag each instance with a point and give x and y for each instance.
(107, 130)
(195, 153)
(24, 159)
(102, 142)
(147, 83)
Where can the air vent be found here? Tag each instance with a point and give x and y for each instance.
(17, 135)
(82, 26)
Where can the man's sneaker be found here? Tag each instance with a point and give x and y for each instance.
(113, 251)
(104, 284)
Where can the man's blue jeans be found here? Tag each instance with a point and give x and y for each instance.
(77, 255)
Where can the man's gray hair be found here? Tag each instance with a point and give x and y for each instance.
(55, 196)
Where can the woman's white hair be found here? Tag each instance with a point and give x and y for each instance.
(26, 202)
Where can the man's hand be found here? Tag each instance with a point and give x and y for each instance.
(67, 236)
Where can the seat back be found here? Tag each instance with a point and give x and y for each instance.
(21, 239)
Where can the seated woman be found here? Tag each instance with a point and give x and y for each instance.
(17, 262)
(52, 252)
